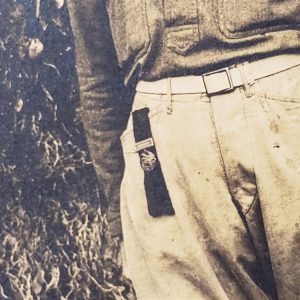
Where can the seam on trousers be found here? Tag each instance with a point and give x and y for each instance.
(239, 211)
(256, 197)
(235, 203)
(220, 152)
(243, 99)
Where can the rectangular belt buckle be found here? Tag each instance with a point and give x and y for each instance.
(218, 82)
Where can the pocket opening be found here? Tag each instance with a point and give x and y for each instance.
(259, 19)
(182, 25)
(282, 87)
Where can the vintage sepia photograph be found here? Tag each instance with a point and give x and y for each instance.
(150, 150)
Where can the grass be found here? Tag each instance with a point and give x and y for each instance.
(54, 240)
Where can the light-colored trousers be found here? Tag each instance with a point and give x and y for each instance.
(231, 163)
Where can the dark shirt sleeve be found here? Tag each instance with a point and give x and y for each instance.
(102, 94)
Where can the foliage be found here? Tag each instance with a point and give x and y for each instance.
(54, 239)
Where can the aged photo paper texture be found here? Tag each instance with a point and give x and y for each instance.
(150, 149)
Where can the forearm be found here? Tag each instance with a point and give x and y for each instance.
(103, 108)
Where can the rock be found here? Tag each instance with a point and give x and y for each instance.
(19, 105)
(59, 4)
(35, 48)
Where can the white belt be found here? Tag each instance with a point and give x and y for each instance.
(222, 80)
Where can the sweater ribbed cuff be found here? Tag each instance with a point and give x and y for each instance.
(115, 224)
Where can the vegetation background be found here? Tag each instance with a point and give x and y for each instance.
(54, 242)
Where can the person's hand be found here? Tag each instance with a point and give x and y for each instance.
(117, 251)
(116, 245)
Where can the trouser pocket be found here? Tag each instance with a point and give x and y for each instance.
(138, 141)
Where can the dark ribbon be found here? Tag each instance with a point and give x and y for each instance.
(158, 198)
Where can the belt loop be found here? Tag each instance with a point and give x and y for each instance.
(169, 97)
(247, 82)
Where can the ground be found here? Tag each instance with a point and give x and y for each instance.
(54, 238)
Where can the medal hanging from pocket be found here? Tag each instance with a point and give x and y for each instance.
(158, 198)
